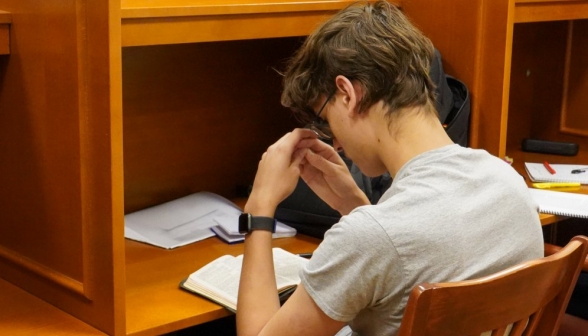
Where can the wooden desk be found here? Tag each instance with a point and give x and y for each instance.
(156, 305)
(82, 76)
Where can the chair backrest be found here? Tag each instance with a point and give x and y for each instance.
(530, 298)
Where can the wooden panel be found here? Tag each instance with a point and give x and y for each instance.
(61, 154)
(155, 303)
(176, 8)
(542, 10)
(23, 314)
(474, 38)
(537, 82)
(575, 97)
(199, 116)
(39, 154)
(183, 21)
(156, 31)
(5, 20)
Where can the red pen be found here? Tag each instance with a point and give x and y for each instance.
(548, 167)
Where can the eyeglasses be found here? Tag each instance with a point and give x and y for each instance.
(320, 126)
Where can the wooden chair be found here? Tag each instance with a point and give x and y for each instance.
(530, 298)
(570, 325)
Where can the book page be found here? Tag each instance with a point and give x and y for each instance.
(219, 280)
(287, 267)
(221, 277)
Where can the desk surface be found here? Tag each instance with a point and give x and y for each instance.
(156, 305)
(23, 314)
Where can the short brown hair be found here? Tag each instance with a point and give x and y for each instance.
(373, 44)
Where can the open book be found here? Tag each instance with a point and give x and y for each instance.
(561, 203)
(219, 279)
(563, 173)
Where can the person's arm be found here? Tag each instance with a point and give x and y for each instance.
(258, 308)
(328, 176)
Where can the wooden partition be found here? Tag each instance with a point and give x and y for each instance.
(108, 107)
(524, 62)
(548, 88)
(61, 204)
(5, 20)
(199, 116)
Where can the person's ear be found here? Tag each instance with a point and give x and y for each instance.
(351, 93)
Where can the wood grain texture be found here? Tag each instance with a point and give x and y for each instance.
(4, 38)
(474, 38)
(539, 11)
(186, 21)
(156, 304)
(61, 154)
(23, 314)
(199, 116)
(575, 100)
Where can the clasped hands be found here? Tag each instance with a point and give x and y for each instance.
(300, 154)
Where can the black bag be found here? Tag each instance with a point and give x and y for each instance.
(306, 212)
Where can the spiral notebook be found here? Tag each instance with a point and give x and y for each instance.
(561, 203)
(563, 173)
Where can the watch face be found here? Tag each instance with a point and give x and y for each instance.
(244, 220)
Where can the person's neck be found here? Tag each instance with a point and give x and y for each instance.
(417, 134)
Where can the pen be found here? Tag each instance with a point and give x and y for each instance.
(545, 185)
(579, 170)
(548, 167)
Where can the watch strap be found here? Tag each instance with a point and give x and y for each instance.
(248, 223)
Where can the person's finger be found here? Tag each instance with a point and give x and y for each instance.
(322, 164)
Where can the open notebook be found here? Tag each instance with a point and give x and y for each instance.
(563, 173)
(561, 203)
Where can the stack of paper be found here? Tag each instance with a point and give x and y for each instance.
(189, 219)
(561, 203)
(563, 173)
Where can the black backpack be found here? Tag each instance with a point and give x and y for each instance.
(311, 216)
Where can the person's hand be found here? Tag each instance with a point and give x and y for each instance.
(277, 173)
(326, 174)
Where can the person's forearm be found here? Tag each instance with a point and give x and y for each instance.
(351, 203)
(258, 297)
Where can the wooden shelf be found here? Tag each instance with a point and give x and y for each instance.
(549, 10)
(159, 22)
(154, 302)
(5, 20)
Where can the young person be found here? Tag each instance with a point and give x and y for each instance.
(451, 213)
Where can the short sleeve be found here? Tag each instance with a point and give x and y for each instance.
(354, 268)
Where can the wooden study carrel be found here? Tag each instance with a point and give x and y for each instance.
(108, 107)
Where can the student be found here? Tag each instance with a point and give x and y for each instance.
(451, 213)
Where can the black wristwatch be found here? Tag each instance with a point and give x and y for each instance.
(248, 223)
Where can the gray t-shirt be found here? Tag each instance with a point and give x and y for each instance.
(451, 214)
